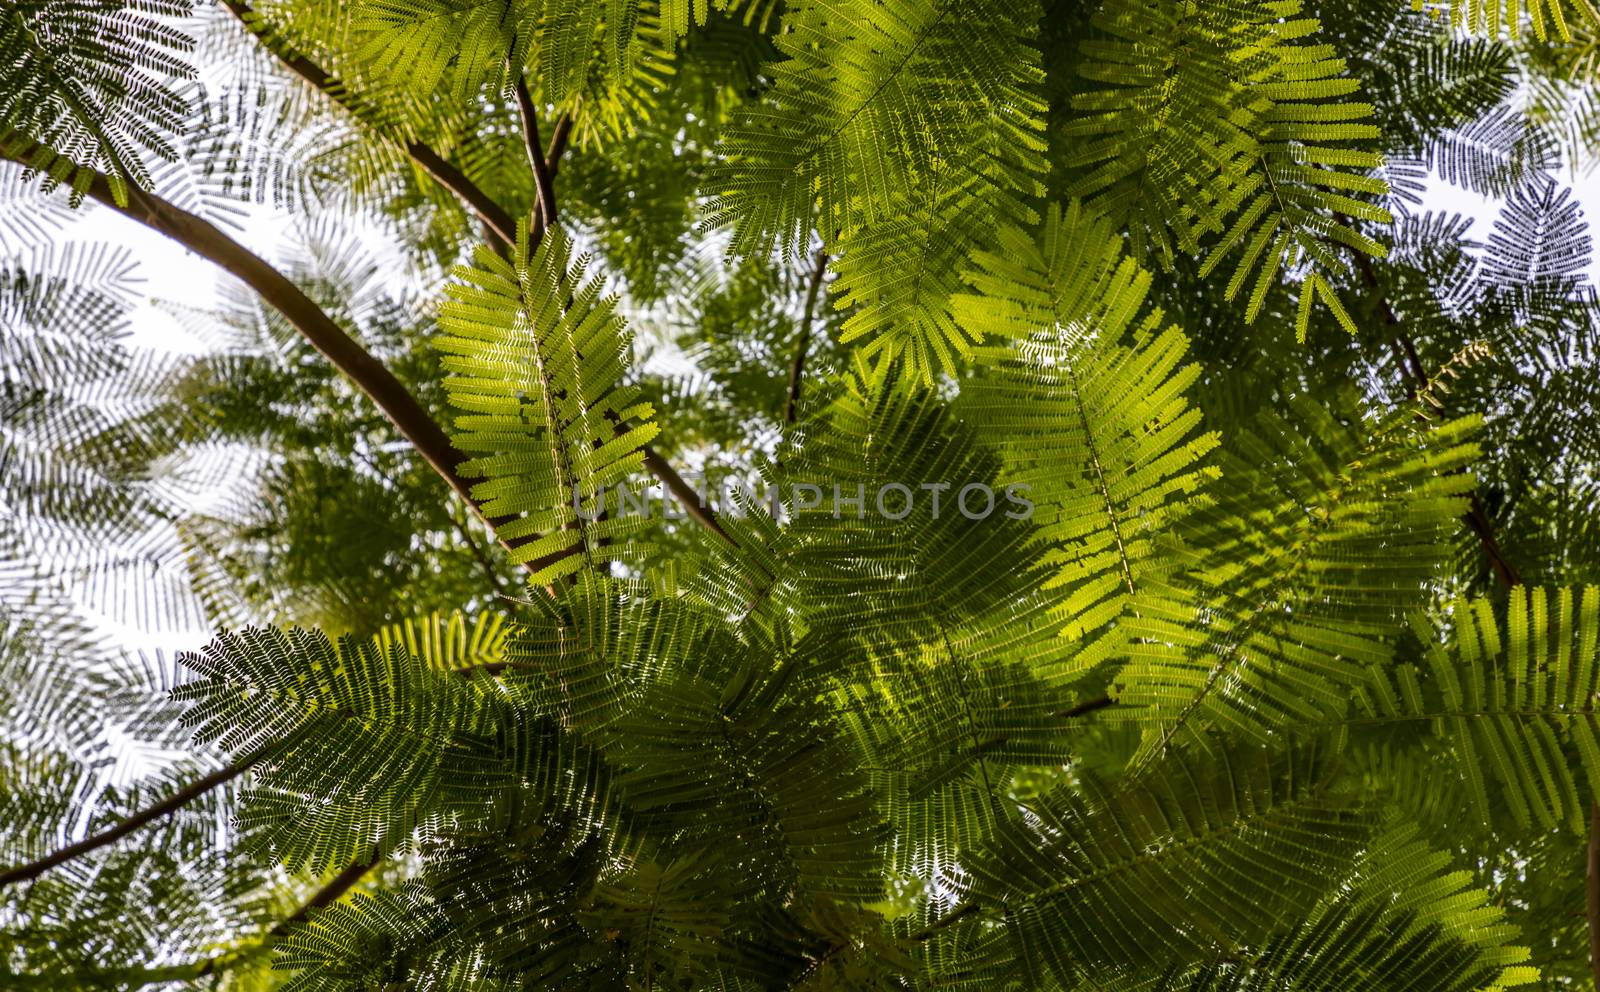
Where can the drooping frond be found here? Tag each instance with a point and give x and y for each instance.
(537, 359)
(898, 278)
(459, 47)
(1539, 246)
(1511, 701)
(1398, 919)
(83, 429)
(906, 570)
(357, 739)
(451, 45)
(1094, 413)
(882, 95)
(902, 522)
(382, 938)
(1222, 120)
(1410, 882)
(1494, 155)
(450, 644)
(1548, 18)
(1069, 282)
(709, 760)
(1104, 879)
(952, 154)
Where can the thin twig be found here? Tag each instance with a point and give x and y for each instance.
(1476, 517)
(798, 368)
(953, 917)
(560, 135)
(329, 893)
(536, 156)
(544, 178)
(684, 493)
(481, 556)
(323, 897)
(1086, 707)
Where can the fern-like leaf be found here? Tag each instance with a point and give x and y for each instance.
(1094, 403)
(1289, 601)
(537, 358)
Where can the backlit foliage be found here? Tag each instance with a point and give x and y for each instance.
(1269, 661)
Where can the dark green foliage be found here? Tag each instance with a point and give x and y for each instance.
(1251, 646)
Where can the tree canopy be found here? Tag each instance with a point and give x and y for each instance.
(802, 495)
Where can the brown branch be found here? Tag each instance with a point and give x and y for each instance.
(798, 368)
(329, 893)
(560, 135)
(497, 221)
(123, 979)
(171, 804)
(542, 176)
(494, 217)
(1476, 517)
(323, 897)
(683, 492)
(371, 376)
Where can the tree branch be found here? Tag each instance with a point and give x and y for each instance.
(560, 135)
(798, 368)
(328, 894)
(683, 493)
(496, 219)
(542, 176)
(371, 376)
(123, 979)
(171, 804)
(1476, 517)
(480, 555)
(950, 919)
(323, 897)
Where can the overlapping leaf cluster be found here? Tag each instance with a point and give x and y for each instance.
(1268, 662)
